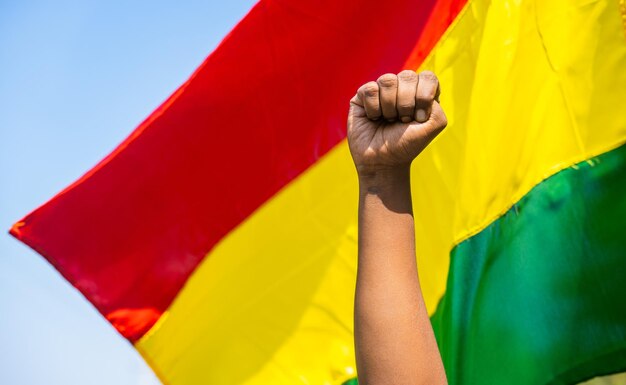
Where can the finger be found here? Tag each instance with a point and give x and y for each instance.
(407, 85)
(438, 118)
(368, 95)
(427, 86)
(388, 85)
(426, 132)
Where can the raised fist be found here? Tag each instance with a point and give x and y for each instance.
(393, 119)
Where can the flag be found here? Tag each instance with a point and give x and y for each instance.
(220, 237)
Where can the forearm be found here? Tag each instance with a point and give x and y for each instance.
(394, 339)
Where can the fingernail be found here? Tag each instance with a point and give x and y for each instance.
(405, 119)
(421, 115)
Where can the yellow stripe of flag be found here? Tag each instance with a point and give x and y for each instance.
(277, 291)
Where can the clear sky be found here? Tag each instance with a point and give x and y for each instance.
(76, 77)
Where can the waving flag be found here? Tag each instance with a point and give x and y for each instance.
(220, 237)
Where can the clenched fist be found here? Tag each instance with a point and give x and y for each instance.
(393, 119)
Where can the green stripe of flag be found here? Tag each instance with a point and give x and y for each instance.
(539, 296)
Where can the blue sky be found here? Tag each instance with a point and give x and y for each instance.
(76, 77)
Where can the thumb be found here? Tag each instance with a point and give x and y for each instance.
(437, 119)
(424, 133)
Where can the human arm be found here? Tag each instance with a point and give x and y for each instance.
(394, 339)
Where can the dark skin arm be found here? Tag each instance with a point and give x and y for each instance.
(390, 122)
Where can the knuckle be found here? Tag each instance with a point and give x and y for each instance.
(369, 90)
(444, 122)
(429, 76)
(407, 76)
(387, 80)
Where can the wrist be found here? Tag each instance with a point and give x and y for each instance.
(384, 178)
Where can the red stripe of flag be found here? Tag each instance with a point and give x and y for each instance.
(264, 106)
